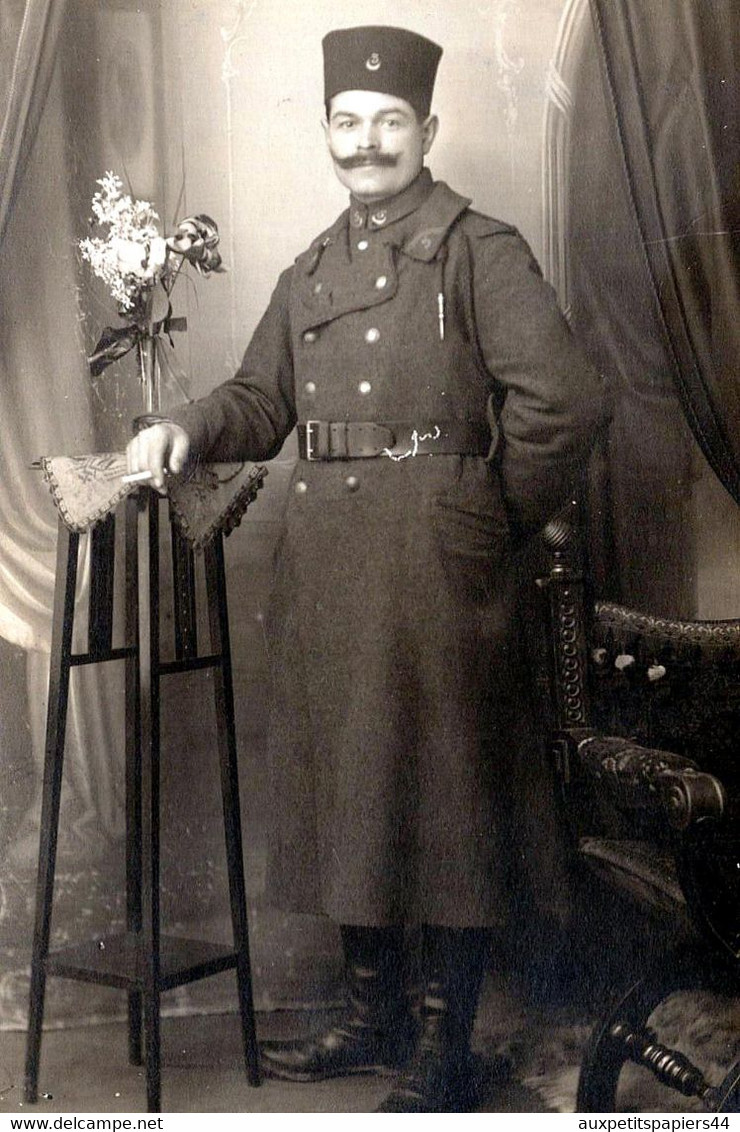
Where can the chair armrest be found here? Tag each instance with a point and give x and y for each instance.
(638, 778)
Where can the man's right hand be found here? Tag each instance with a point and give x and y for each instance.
(159, 449)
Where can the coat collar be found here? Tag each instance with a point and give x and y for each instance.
(383, 213)
(418, 221)
(432, 222)
(419, 234)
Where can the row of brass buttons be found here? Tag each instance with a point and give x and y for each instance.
(364, 388)
(372, 335)
(380, 283)
(352, 483)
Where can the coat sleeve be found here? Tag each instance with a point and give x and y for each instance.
(552, 401)
(249, 416)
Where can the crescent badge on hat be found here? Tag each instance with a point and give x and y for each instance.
(373, 62)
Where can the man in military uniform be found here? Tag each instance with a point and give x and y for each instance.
(442, 406)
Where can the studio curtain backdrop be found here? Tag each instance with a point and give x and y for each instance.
(45, 407)
(672, 80)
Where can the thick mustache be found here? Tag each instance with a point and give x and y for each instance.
(360, 159)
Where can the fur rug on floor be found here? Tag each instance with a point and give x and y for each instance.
(545, 1047)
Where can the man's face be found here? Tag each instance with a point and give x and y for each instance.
(377, 143)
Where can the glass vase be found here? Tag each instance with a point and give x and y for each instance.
(149, 373)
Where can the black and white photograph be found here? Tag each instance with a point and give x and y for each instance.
(369, 559)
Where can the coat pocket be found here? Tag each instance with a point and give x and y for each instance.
(472, 532)
(469, 517)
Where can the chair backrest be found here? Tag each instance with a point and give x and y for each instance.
(668, 684)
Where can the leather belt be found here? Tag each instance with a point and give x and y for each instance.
(361, 440)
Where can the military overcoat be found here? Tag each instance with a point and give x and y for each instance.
(399, 720)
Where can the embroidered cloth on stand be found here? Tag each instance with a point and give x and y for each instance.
(208, 499)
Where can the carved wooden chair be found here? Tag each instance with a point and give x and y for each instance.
(645, 727)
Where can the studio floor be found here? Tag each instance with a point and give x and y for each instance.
(86, 1069)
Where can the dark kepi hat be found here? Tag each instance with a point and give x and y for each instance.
(390, 60)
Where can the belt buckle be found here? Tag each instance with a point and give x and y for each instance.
(310, 447)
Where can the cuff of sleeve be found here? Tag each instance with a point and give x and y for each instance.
(147, 420)
(193, 420)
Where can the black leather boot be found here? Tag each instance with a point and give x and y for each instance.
(439, 1076)
(376, 1032)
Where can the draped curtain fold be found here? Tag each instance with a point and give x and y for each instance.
(28, 39)
(672, 77)
(30, 33)
(45, 407)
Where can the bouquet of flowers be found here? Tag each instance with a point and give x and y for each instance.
(140, 267)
